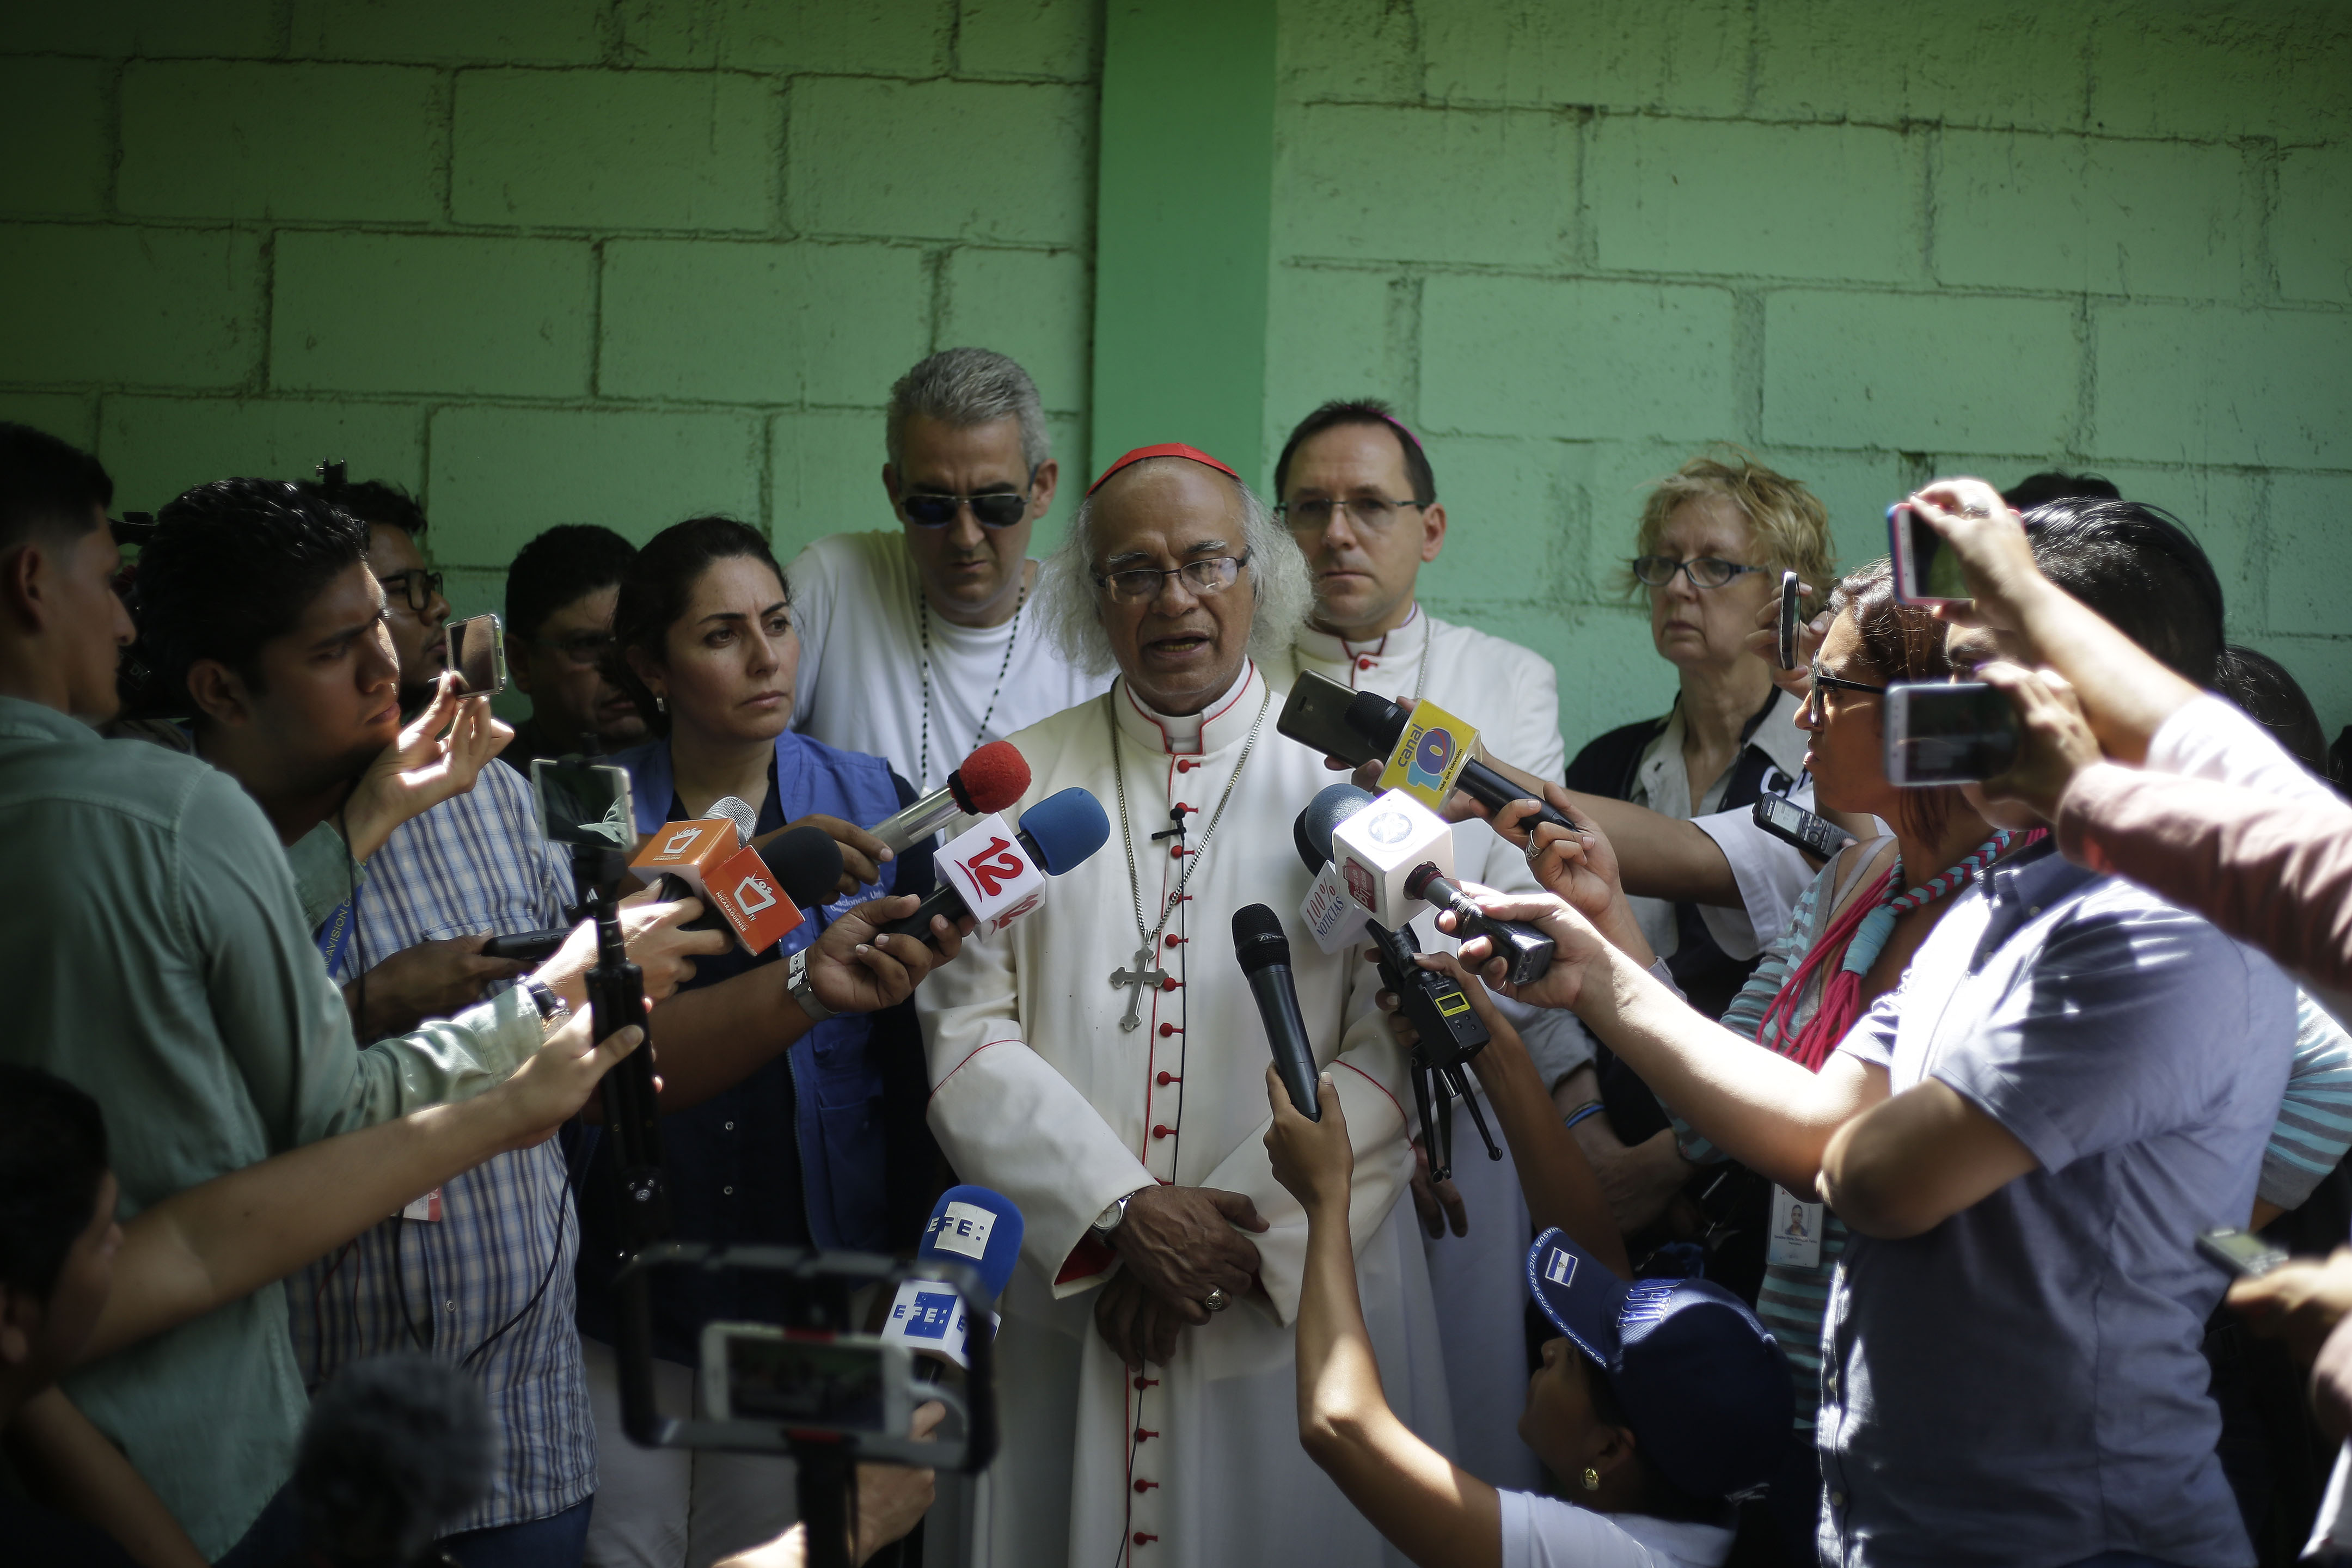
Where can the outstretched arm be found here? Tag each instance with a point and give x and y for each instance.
(212, 1244)
(1436, 1513)
(68, 1464)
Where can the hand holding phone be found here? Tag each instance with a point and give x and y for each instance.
(1927, 572)
(478, 654)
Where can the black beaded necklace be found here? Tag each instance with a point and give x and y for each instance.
(923, 621)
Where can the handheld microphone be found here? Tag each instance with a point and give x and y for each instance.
(1331, 916)
(1263, 953)
(1526, 951)
(396, 1449)
(680, 855)
(759, 894)
(990, 779)
(997, 874)
(972, 1226)
(1359, 727)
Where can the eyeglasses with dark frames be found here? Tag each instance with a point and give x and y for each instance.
(1704, 572)
(1813, 706)
(416, 585)
(583, 650)
(1141, 585)
(1375, 512)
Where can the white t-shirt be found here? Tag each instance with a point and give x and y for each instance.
(1545, 1532)
(857, 604)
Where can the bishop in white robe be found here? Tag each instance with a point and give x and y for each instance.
(1043, 1093)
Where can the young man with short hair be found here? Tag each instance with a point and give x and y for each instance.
(165, 965)
(920, 645)
(560, 590)
(415, 611)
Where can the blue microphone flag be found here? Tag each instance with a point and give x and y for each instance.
(976, 1227)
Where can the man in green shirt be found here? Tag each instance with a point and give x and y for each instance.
(157, 956)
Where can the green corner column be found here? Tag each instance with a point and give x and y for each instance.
(1182, 227)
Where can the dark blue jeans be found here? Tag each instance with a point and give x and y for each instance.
(558, 1541)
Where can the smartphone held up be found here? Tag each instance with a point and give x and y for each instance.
(1926, 570)
(1949, 732)
(478, 654)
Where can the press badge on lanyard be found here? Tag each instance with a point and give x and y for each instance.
(426, 1207)
(1796, 1233)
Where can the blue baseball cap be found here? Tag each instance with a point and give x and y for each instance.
(1702, 1381)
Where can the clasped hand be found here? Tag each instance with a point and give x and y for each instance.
(1177, 1244)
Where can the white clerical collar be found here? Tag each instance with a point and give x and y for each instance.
(1403, 642)
(1224, 722)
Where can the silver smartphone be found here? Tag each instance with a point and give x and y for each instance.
(1947, 732)
(477, 652)
(855, 1384)
(583, 802)
(2239, 1253)
(1926, 570)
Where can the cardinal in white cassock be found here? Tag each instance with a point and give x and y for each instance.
(1102, 1063)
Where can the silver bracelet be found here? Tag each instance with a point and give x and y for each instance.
(796, 980)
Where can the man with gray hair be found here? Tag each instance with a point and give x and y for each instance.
(1086, 1065)
(920, 643)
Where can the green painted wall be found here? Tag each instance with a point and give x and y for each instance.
(625, 259)
(541, 261)
(1577, 240)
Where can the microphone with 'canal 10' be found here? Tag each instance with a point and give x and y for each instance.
(1263, 953)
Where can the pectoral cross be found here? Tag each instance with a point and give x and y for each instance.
(1142, 975)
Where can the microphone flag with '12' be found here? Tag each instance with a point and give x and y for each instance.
(762, 892)
(992, 779)
(972, 1226)
(996, 874)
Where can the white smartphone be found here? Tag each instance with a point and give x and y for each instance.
(1947, 733)
(1926, 570)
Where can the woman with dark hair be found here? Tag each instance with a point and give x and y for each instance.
(824, 1147)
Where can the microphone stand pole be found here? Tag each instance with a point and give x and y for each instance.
(617, 994)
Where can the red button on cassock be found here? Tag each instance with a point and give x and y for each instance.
(1165, 1079)
(1163, 1131)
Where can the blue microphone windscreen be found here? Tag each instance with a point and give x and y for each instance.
(979, 1228)
(1066, 828)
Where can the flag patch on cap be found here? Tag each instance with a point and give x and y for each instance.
(1560, 1267)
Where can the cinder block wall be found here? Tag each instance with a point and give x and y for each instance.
(1577, 240)
(541, 261)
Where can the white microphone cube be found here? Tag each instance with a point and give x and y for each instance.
(988, 865)
(1377, 849)
(1334, 918)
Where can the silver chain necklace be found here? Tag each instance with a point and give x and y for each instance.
(923, 620)
(1143, 973)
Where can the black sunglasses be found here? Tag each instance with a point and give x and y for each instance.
(997, 509)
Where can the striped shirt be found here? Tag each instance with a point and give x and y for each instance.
(489, 1285)
(2310, 1138)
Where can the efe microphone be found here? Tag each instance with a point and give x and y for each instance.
(1263, 953)
(972, 1225)
(1057, 833)
(990, 779)
(1360, 727)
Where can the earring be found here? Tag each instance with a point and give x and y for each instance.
(1591, 1480)
(661, 704)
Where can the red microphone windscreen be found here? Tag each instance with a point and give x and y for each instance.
(991, 779)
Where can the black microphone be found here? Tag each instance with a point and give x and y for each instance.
(396, 1449)
(1265, 956)
(1526, 951)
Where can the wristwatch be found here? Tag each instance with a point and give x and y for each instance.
(554, 1012)
(796, 980)
(1110, 1219)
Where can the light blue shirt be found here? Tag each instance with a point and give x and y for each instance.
(2022, 1385)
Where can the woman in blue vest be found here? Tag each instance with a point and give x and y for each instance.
(824, 1147)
